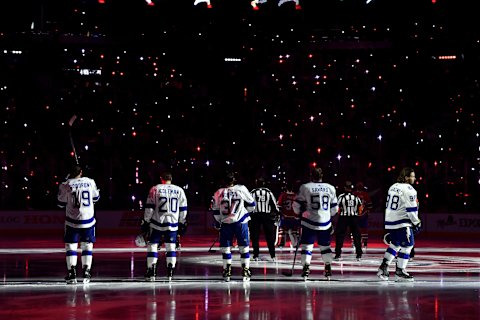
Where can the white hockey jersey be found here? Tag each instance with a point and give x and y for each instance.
(233, 204)
(401, 209)
(317, 203)
(166, 206)
(78, 196)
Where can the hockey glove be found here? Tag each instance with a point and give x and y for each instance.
(332, 230)
(417, 228)
(145, 226)
(182, 228)
(277, 221)
(217, 225)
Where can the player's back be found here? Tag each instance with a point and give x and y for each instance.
(318, 196)
(80, 195)
(232, 202)
(169, 199)
(401, 199)
(285, 202)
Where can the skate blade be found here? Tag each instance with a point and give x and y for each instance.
(245, 279)
(85, 281)
(226, 279)
(382, 277)
(72, 281)
(404, 280)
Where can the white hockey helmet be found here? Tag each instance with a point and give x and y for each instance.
(140, 241)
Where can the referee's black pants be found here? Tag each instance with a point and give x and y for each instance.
(259, 220)
(343, 223)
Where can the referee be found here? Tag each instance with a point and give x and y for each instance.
(350, 206)
(264, 215)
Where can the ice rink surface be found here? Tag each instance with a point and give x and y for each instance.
(446, 286)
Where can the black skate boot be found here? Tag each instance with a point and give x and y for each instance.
(71, 277)
(402, 276)
(86, 274)
(151, 273)
(382, 272)
(328, 271)
(306, 272)
(170, 270)
(227, 273)
(246, 274)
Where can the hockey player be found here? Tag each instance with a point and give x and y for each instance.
(231, 206)
(78, 195)
(165, 216)
(316, 202)
(290, 222)
(401, 221)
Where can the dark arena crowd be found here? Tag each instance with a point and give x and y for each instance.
(132, 88)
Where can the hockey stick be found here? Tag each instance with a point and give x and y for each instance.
(289, 273)
(215, 241)
(70, 124)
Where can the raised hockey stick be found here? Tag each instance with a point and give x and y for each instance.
(70, 124)
(215, 241)
(289, 273)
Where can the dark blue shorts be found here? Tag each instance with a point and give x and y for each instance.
(239, 230)
(321, 236)
(75, 235)
(402, 237)
(161, 237)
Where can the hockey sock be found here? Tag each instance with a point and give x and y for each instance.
(307, 253)
(245, 255)
(87, 254)
(226, 256)
(152, 254)
(171, 253)
(71, 254)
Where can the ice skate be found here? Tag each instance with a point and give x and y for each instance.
(151, 273)
(328, 271)
(306, 272)
(402, 276)
(246, 274)
(227, 273)
(71, 277)
(86, 274)
(170, 270)
(382, 272)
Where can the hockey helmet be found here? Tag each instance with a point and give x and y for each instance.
(140, 241)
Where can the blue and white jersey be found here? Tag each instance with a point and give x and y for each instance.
(166, 206)
(401, 209)
(317, 203)
(78, 196)
(232, 204)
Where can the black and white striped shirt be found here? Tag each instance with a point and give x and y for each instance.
(349, 204)
(265, 200)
